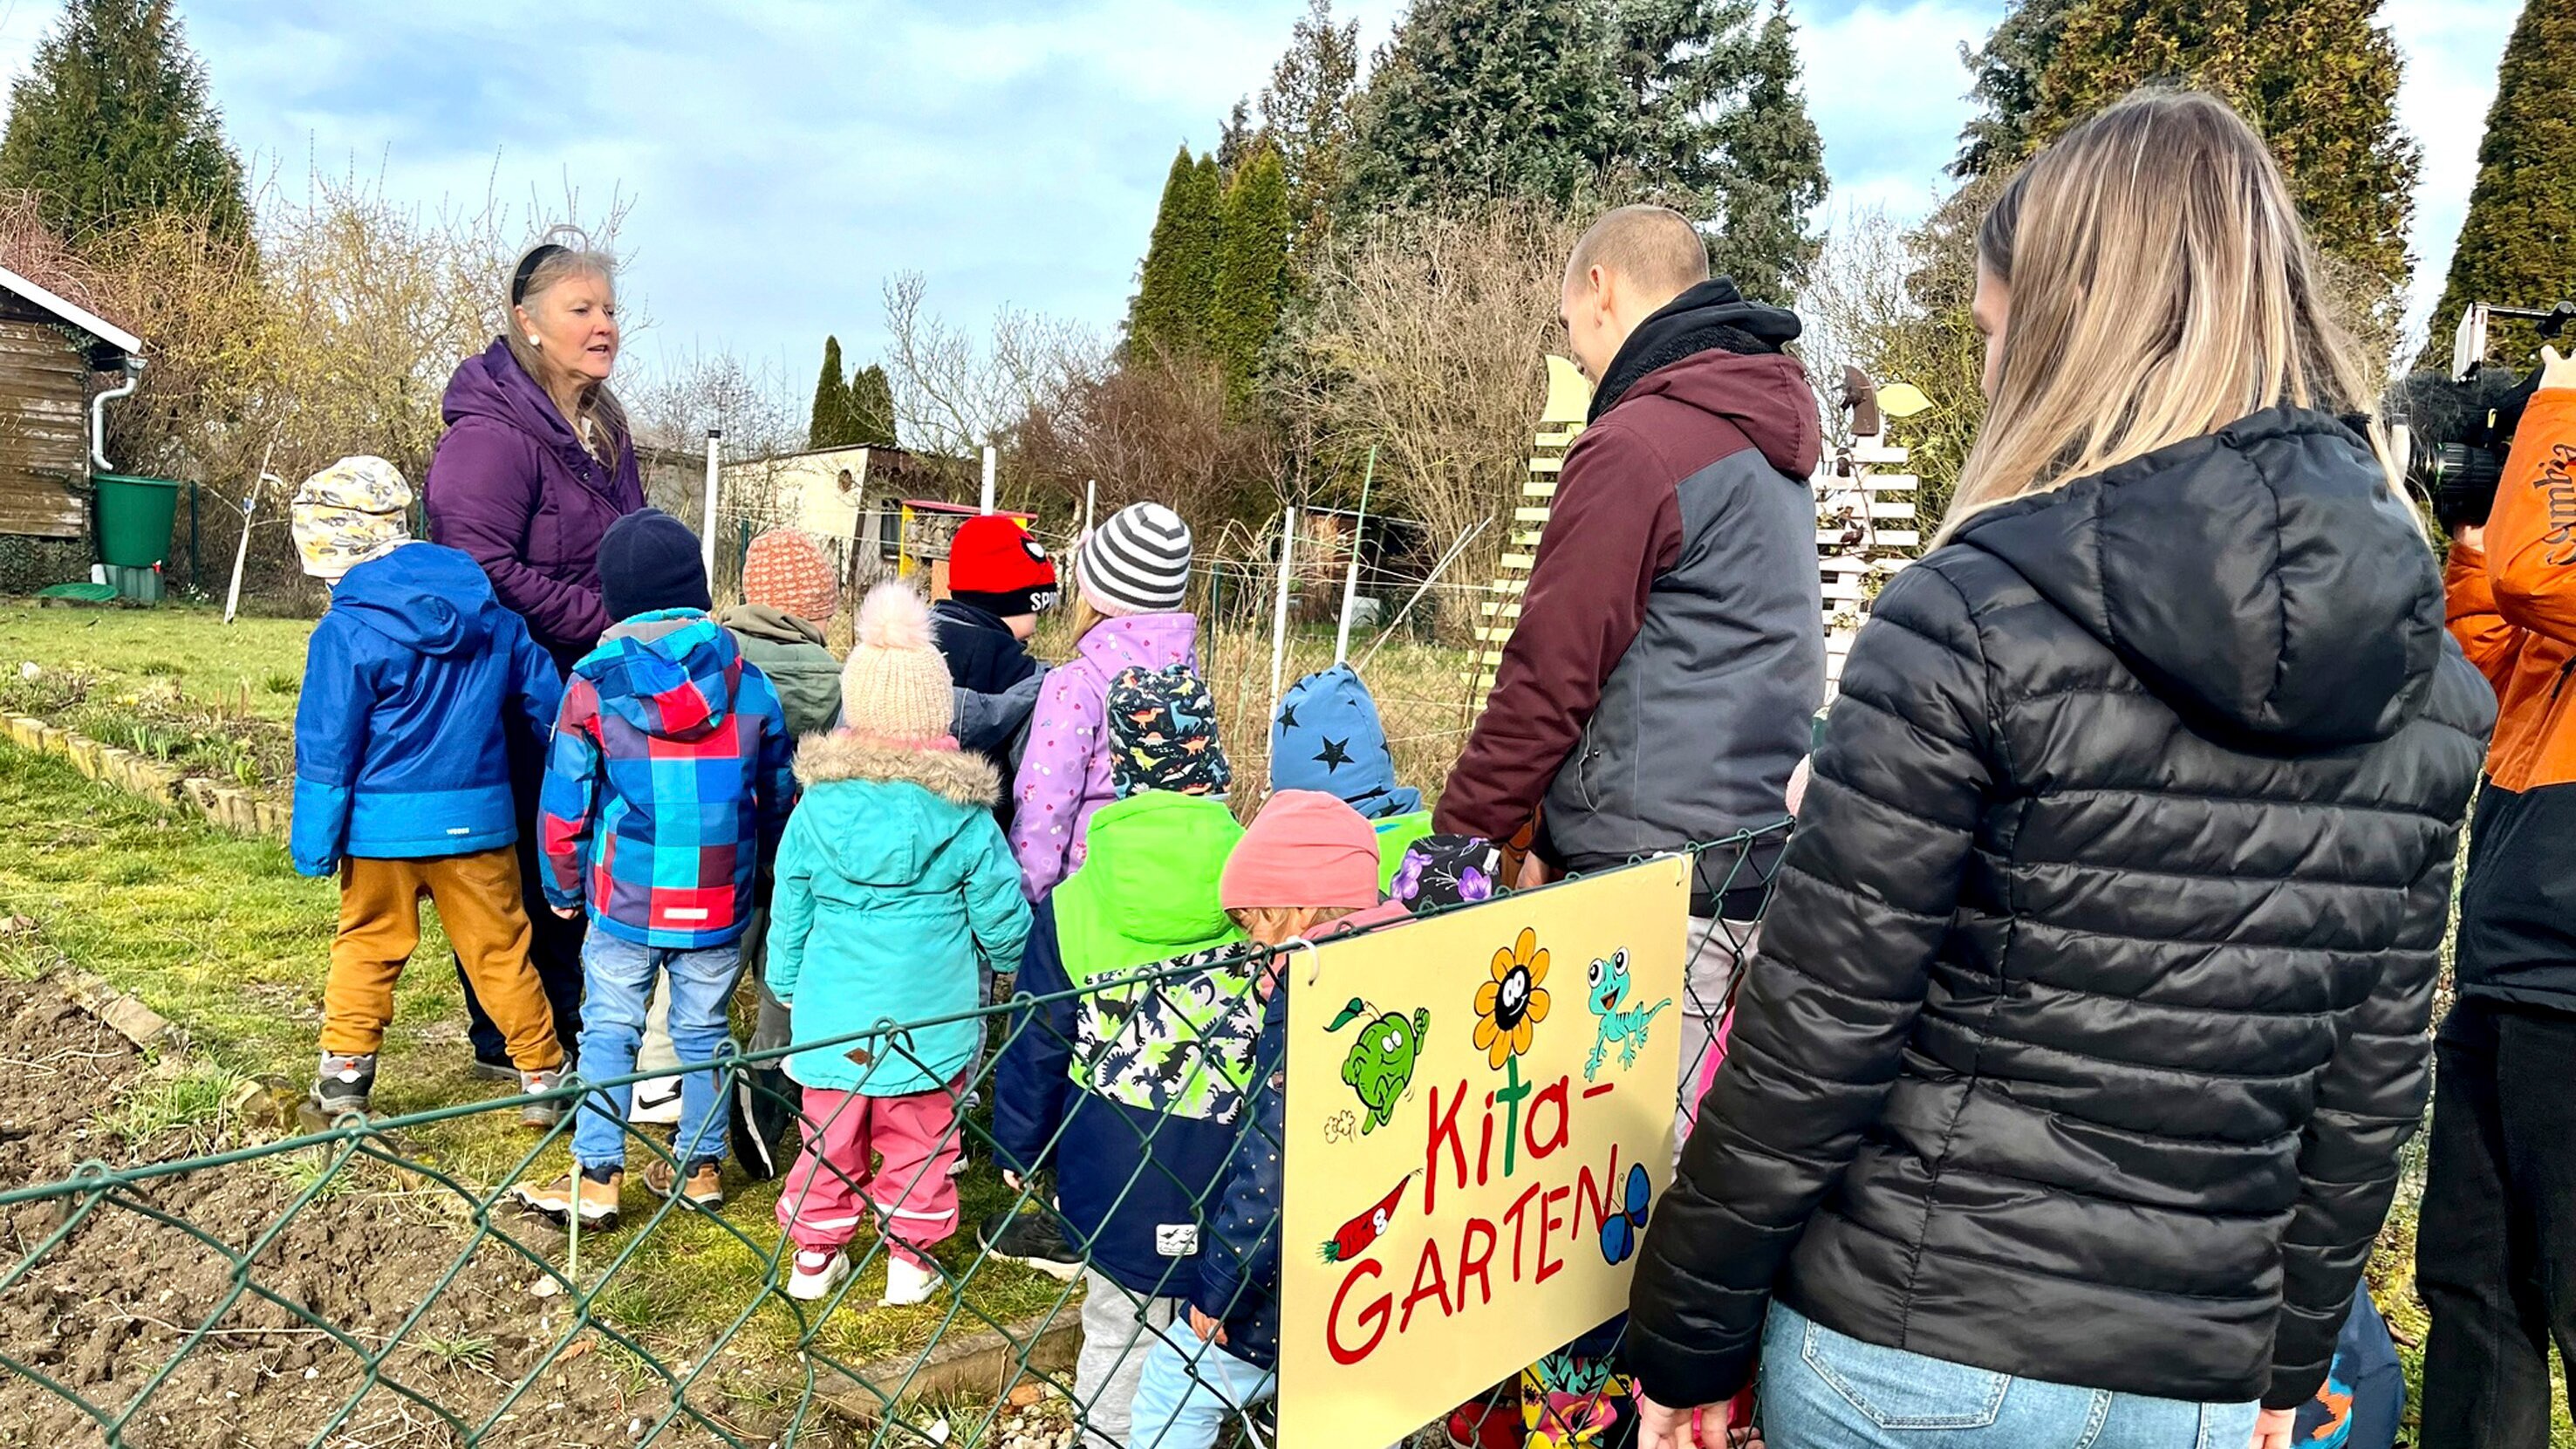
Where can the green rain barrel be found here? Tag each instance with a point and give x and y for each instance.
(134, 517)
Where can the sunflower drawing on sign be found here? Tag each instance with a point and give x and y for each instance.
(1511, 1005)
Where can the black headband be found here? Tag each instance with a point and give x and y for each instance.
(528, 265)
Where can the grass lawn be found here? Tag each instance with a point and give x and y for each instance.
(252, 665)
(219, 935)
(174, 683)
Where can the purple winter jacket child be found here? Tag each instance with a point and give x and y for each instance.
(1064, 775)
(510, 485)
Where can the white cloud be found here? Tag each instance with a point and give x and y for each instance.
(1887, 91)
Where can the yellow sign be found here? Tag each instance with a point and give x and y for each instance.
(1480, 1113)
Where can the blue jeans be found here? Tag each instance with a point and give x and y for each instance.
(1822, 1390)
(618, 976)
(1188, 1390)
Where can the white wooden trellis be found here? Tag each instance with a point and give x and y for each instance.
(1867, 528)
(1569, 397)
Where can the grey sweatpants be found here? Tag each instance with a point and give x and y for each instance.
(1118, 1329)
(1714, 950)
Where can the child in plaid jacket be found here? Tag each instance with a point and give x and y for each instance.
(668, 783)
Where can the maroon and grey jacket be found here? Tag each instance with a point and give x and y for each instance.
(513, 487)
(1662, 683)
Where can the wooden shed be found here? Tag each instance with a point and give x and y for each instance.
(49, 347)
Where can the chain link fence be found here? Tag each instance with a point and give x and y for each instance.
(380, 1282)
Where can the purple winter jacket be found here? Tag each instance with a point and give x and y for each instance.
(511, 485)
(1064, 775)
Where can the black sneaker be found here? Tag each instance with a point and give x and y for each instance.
(342, 1084)
(1029, 1237)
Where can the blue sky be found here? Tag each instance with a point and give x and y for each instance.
(784, 156)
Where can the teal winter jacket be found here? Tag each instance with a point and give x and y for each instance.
(892, 882)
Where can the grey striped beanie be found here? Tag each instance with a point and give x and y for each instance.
(1136, 563)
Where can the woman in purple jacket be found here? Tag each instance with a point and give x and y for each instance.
(536, 463)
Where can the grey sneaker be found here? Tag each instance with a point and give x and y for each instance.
(342, 1084)
(544, 1112)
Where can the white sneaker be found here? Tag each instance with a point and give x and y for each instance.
(816, 1275)
(906, 1284)
(656, 1104)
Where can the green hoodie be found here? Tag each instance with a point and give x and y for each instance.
(1147, 890)
(1146, 897)
(790, 651)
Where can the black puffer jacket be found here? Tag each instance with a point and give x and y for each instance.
(2090, 1012)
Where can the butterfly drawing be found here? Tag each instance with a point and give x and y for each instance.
(1619, 1233)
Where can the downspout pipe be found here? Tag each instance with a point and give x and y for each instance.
(98, 413)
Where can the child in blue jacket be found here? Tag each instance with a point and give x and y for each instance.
(412, 682)
(894, 885)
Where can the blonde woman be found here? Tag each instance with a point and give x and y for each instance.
(535, 464)
(2064, 1101)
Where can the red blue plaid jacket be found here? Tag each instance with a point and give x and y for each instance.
(668, 783)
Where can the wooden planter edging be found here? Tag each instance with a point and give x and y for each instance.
(223, 806)
(986, 1363)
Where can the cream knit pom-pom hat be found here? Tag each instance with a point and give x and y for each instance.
(895, 684)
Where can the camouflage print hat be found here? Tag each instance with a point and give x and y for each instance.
(350, 512)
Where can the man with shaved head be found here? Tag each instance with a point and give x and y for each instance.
(1670, 656)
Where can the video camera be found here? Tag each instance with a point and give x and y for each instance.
(2456, 429)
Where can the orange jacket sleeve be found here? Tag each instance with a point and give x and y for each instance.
(2469, 602)
(2531, 534)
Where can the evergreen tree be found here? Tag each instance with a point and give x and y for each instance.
(1176, 292)
(1723, 133)
(2317, 77)
(871, 404)
(1252, 266)
(830, 424)
(1235, 139)
(1307, 112)
(2007, 69)
(2518, 244)
(112, 121)
(1683, 64)
(1771, 172)
(1491, 97)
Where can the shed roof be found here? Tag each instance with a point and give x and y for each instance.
(72, 315)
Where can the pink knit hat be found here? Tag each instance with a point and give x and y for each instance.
(1305, 850)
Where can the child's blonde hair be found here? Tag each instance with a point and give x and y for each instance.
(1085, 617)
(1272, 925)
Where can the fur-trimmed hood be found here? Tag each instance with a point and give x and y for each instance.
(945, 771)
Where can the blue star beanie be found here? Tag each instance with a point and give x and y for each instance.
(1328, 737)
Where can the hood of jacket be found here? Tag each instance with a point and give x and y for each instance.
(669, 673)
(492, 385)
(1139, 641)
(1715, 351)
(1328, 736)
(428, 599)
(2261, 580)
(888, 837)
(1148, 889)
(773, 626)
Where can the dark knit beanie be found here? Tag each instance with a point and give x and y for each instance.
(648, 561)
